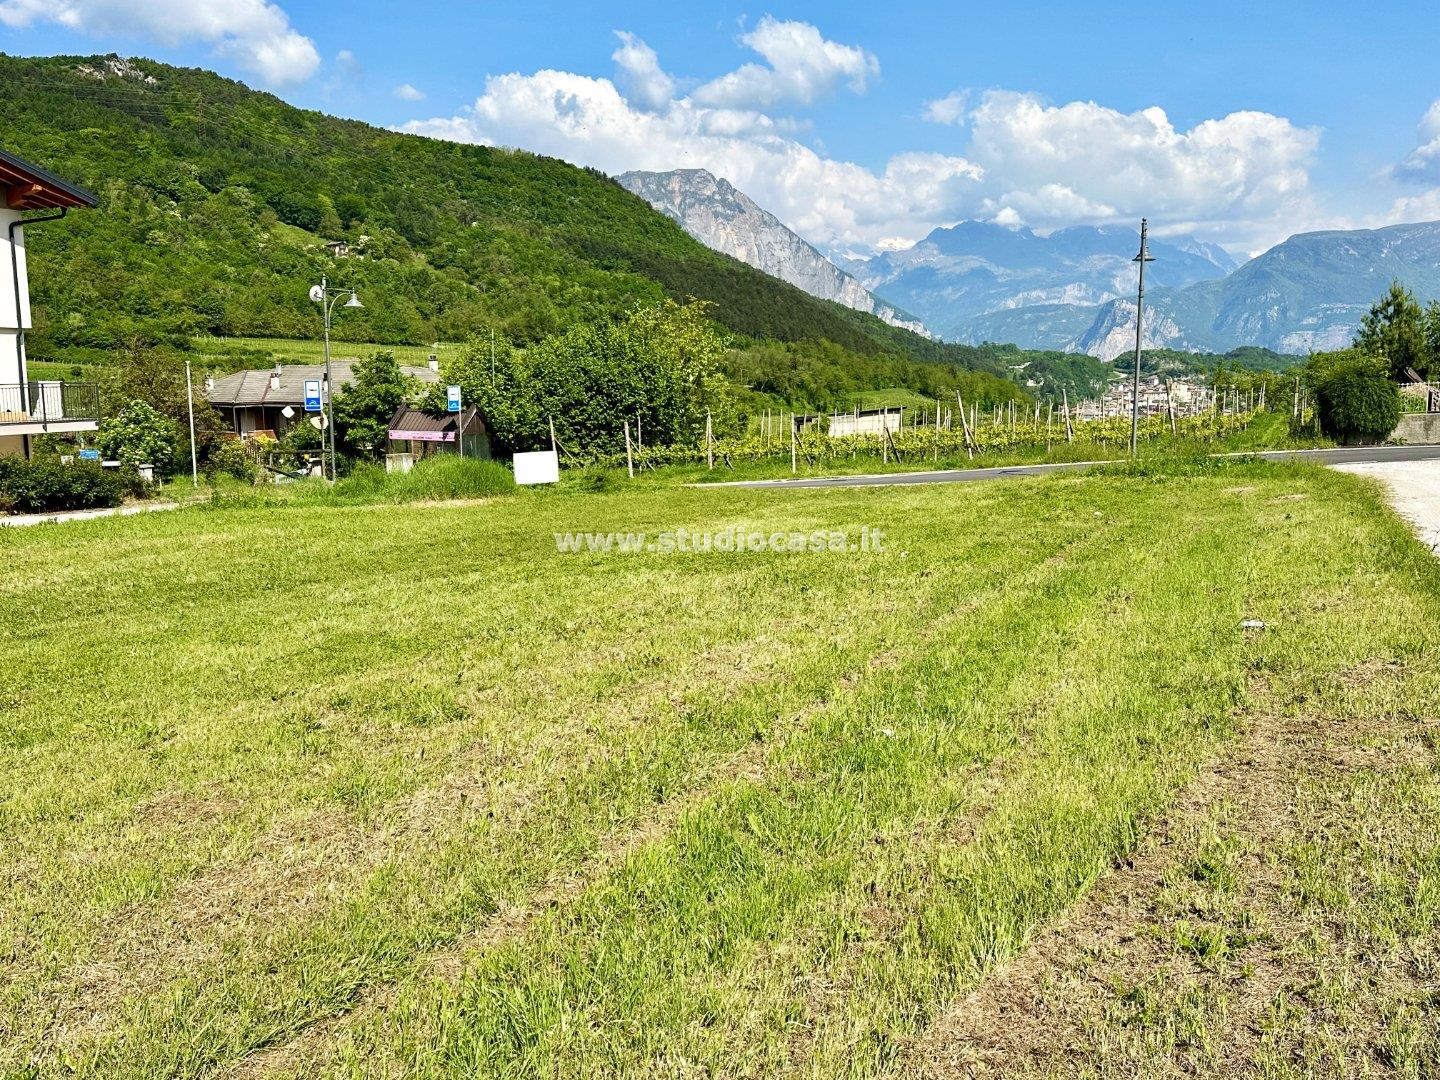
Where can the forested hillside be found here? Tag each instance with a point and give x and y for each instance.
(216, 203)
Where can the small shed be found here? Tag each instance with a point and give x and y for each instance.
(868, 421)
(416, 434)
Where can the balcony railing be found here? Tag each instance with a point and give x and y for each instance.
(48, 402)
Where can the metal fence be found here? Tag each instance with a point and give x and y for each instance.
(46, 402)
(1419, 397)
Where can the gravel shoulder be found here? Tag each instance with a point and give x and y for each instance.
(1414, 490)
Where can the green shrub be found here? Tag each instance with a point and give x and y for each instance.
(140, 435)
(47, 485)
(1355, 401)
(233, 457)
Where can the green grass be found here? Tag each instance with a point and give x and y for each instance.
(238, 352)
(367, 790)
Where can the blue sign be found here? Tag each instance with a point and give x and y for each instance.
(312, 395)
(452, 399)
(89, 455)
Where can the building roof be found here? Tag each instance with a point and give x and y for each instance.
(251, 388)
(410, 423)
(29, 187)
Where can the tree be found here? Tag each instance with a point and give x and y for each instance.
(156, 376)
(329, 225)
(140, 435)
(1395, 328)
(363, 409)
(1355, 399)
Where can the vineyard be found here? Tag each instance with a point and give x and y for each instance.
(919, 443)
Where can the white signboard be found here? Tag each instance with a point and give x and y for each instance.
(540, 467)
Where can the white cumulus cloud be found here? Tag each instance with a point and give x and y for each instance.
(406, 92)
(638, 69)
(1241, 179)
(801, 67)
(587, 120)
(1245, 173)
(1423, 163)
(255, 34)
(949, 109)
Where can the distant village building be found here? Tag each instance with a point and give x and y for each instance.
(338, 249)
(267, 402)
(1188, 397)
(30, 408)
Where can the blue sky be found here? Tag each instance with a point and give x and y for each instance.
(865, 125)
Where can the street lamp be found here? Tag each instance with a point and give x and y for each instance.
(1143, 258)
(327, 296)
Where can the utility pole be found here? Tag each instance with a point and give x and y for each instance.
(1142, 259)
(190, 405)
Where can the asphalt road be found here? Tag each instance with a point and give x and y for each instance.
(1339, 456)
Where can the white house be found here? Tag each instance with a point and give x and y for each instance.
(29, 408)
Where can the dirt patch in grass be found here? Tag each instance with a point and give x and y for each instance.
(1266, 926)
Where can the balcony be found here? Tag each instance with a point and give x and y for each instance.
(49, 408)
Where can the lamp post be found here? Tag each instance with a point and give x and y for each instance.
(327, 296)
(1142, 259)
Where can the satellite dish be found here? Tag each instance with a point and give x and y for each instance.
(318, 423)
(317, 293)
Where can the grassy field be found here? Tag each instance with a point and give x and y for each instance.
(232, 353)
(383, 790)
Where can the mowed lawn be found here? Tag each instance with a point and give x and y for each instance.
(404, 791)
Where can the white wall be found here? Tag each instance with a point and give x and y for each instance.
(9, 352)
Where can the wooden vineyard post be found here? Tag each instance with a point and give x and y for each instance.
(1069, 427)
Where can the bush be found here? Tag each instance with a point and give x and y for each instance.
(46, 485)
(232, 457)
(140, 435)
(1355, 401)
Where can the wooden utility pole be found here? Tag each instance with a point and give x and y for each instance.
(709, 442)
(629, 454)
(1069, 427)
(1170, 405)
(793, 447)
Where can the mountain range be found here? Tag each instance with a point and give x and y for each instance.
(1072, 290)
(956, 275)
(723, 218)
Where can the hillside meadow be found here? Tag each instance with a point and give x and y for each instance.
(374, 790)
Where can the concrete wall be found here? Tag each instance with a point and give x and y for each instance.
(1418, 428)
(9, 319)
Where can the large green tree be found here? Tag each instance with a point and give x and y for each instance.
(658, 368)
(1396, 328)
(364, 408)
